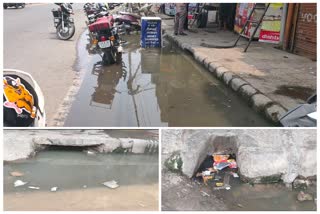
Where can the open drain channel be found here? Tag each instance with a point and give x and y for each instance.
(154, 87)
(73, 168)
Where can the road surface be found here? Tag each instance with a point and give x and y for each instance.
(31, 45)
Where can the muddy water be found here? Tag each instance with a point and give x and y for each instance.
(267, 197)
(153, 87)
(79, 177)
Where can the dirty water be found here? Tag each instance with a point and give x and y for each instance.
(297, 92)
(153, 87)
(267, 197)
(79, 179)
(188, 195)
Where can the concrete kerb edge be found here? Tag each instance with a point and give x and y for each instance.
(261, 103)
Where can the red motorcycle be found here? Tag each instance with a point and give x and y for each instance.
(106, 39)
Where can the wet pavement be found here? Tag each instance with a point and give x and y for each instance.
(71, 170)
(180, 193)
(153, 87)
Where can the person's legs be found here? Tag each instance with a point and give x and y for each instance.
(182, 20)
(176, 23)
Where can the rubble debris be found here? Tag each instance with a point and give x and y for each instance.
(204, 194)
(54, 189)
(300, 184)
(111, 184)
(33, 187)
(302, 196)
(18, 183)
(16, 174)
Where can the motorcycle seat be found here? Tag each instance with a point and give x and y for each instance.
(130, 14)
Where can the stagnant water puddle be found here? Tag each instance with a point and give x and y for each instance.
(79, 179)
(153, 87)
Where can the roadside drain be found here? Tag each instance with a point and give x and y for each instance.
(216, 170)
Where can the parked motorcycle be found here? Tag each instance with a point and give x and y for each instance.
(63, 21)
(106, 39)
(16, 5)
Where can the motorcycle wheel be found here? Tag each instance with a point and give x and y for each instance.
(109, 57)
(66, 35)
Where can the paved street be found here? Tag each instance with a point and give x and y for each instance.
(31, 45)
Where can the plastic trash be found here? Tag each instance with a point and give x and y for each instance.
(206, 173)
(54, 189)
(220, 158)
(84, 186)
(222, 165)
(219, 184)
(233, 163)
(234, 174)
(33, 187)
(111, 184)
(204, 194)
(19, 183)
(16, 174)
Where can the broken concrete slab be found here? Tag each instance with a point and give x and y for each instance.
(22, 144)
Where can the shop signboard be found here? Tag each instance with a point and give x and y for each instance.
(271, 24)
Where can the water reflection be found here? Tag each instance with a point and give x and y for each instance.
(155, 87)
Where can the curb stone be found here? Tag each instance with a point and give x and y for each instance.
(274, 112)
(220, 71)
(258, 101)
(227, 77)
(236, 83)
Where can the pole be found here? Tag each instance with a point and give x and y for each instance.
(288, 26)
(283, 23)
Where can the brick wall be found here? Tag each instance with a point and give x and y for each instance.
(306, 32)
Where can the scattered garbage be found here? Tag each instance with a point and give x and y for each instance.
(217, 170)
(240, 205)
(204, 194)
(16, 174)
(302, 196)
(218, 184)
(33, 187)
(141, 204)
(111, 184)
(54, 189)
(89, 152)
(221, 166)
(234, 174)
(19, 183)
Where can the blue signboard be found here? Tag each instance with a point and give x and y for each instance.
(151, 32)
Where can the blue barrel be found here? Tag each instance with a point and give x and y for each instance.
(151, 32)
